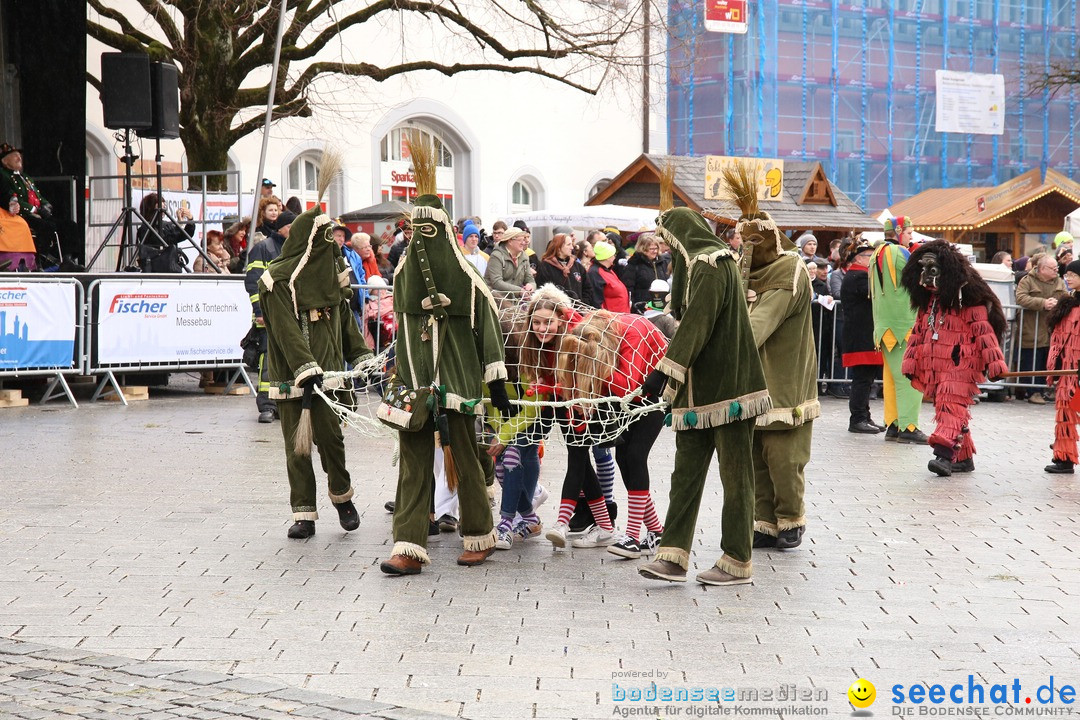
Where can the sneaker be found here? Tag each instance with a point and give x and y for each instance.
(504, 540)
(448, 523)
(557, 534)
(912, 437)
(595, 536)
(540, 497)
(1036, 399)
(787, 539)
(716, 576)
(626, 547)
(649, 543)
(663, 570)
(526, 530)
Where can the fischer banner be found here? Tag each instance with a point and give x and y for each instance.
(37, 325)
(172, 322)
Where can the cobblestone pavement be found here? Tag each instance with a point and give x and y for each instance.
(153, 536)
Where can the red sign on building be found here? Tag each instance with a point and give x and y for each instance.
(725, 16)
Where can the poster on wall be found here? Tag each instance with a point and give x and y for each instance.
(972, 103)
(37, 326)
(725, 16)
(170, 322)
(770, 172)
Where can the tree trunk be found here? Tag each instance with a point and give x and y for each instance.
(205, 155)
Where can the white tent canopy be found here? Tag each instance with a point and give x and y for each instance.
(1072, 223)
(628, 219)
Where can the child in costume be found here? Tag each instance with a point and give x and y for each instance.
(893, 319)
(716, 388)
(954, 346)
(1064, 325)
(304, 295)
(609, 355)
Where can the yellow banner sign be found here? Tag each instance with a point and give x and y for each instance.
(770, 176)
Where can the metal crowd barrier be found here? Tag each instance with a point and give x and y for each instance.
(9, 318)
(1015, 316)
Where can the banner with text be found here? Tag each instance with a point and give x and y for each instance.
(170, 321)
(726, 16)
(970, 102)
(37, 325)
(770, 174)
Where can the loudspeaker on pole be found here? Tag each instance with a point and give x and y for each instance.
(125, 91)
(164, 102)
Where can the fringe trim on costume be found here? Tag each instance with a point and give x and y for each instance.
(478, 283)
(305, 371)
(710, 259)
(305, 516)
(295, 393)
(794, 417)
(733, 567)
(767, 528)
(320, 220)
(343, 279)
(676, 555)
(408, 549)
(341, 498)
(672, 369)
(674, 242)
(495, 371)
(785, 524)
(267, 280)
(480, 542)
(716, 414)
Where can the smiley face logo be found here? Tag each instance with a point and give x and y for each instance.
(862, 693)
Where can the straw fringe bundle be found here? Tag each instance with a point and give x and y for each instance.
(667, 186)
(423, 161)
(741, 180)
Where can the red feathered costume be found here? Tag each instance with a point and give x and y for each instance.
(1064, 354)
(953, 347)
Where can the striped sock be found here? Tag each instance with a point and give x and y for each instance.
(600, 514)
(566, 509)
(531, 518)
(652, 522)
(636, 499)
(605, 472)
(505, 523)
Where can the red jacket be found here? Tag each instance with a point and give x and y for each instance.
(641, 348)
(610, 293)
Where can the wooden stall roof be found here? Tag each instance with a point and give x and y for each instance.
(809, 200)
(972, 208)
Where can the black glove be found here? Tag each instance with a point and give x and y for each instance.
(311, 380)
(654, 384)
(499, 399)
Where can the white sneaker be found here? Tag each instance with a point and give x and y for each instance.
(557, 534)
(504, 540)
(540, 496)
(595, 536)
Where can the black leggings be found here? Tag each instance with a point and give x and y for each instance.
(631, 455)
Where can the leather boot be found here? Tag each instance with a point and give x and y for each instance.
(401, 565)
(347, 515)
(469, 558)
(302, 529)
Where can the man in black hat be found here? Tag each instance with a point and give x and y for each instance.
(267, 187)
(21, 196)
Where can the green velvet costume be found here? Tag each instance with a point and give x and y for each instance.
(716, 388)
(445, 311)
(304, 295)
(778, 288)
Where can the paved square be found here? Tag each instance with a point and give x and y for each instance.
(151, 540)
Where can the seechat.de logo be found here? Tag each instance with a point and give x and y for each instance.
(138, 304)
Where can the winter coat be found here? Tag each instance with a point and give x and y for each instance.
(858, 335)
(259, 258)
(609, 292)
(638, 275)
(573, 284)
(1030, 295)
(504, 275)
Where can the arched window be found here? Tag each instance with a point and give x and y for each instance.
(396, 172)
(302, 179)
(598, 187)
(522, 197)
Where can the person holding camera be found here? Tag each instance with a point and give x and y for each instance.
(159, 238)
